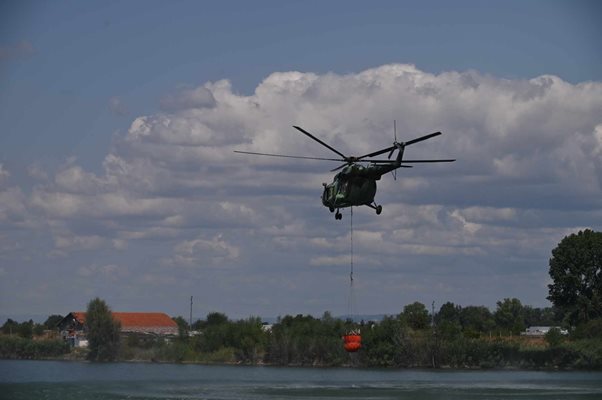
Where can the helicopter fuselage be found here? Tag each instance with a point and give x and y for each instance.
(355, 185)
(350, 192)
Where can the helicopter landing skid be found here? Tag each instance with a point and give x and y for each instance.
(376, 207)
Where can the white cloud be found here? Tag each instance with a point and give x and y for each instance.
(4, 174)
(37, 172)
(529, 170)
(201, 252)
(330, 261)
(200, 97)
(67, 242)
(109, 272)
(13, 207)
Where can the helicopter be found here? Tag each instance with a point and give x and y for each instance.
(355, 184)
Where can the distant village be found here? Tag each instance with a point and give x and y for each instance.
(72, 327)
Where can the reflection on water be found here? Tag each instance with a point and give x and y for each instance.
(71, 380)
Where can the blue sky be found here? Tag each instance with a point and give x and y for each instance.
(77, 78)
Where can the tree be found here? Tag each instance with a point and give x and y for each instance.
(416, 315)
(448, 320)
(510, 316)
(541, 316)
(102, 331)
(576, 272)
(38, 329)
(52, 321)
(10, 327)
(554, 337)
(216, 318)
(476, 320)
(183, 327)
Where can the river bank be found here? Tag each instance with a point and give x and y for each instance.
(460, 354)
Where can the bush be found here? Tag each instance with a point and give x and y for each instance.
(554, 337)
(588, 330)
(13, 347)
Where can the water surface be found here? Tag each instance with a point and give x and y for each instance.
(78, 380)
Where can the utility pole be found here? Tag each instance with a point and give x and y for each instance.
(190, 320)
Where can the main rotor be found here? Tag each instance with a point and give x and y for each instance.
(349, 160)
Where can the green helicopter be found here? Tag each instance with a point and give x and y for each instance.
(355, 184)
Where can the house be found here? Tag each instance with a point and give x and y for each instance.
(542, 330)
(73, 325)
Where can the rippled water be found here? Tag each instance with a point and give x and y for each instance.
(75, 380)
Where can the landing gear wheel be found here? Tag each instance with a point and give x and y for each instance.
(338, 216)
(379, 209)
(331, 208)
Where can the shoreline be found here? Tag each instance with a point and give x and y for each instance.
(306, 366)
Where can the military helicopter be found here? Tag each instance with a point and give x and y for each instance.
(355, 184)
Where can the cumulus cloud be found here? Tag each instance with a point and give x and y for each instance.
(37, 172)
(202, 252)
(186, 99)
(529, 171)
(4, 174)
(79, 242)
(108, 272)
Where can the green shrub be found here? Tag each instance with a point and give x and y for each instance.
(13, 347)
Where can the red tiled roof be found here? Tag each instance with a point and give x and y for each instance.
(80, 316)
(135, 319)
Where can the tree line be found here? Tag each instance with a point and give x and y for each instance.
(456, 336)
(17, 340)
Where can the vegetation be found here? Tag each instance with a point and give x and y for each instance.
(17, 347)
(462, 337)
(576, 269)
(103, 332)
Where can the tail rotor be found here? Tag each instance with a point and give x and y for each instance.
(395, 144)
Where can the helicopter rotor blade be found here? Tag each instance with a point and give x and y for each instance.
(428, 161)
(394, 142)
(321, 142)
(421, 138)
(411, 161)
(397, 144)
(382, 162)
(339, 167)
(286, 156)
(377, 153)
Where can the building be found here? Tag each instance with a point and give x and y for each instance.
(73, 325)
(542, 330)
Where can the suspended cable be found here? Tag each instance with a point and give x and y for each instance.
(351, 222)
(351, 305)
(352, 339)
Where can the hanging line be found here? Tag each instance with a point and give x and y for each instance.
(351, 273)
(350, 304)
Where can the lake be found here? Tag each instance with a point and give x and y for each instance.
(80, 380)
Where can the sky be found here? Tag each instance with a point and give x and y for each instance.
(118, 178)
